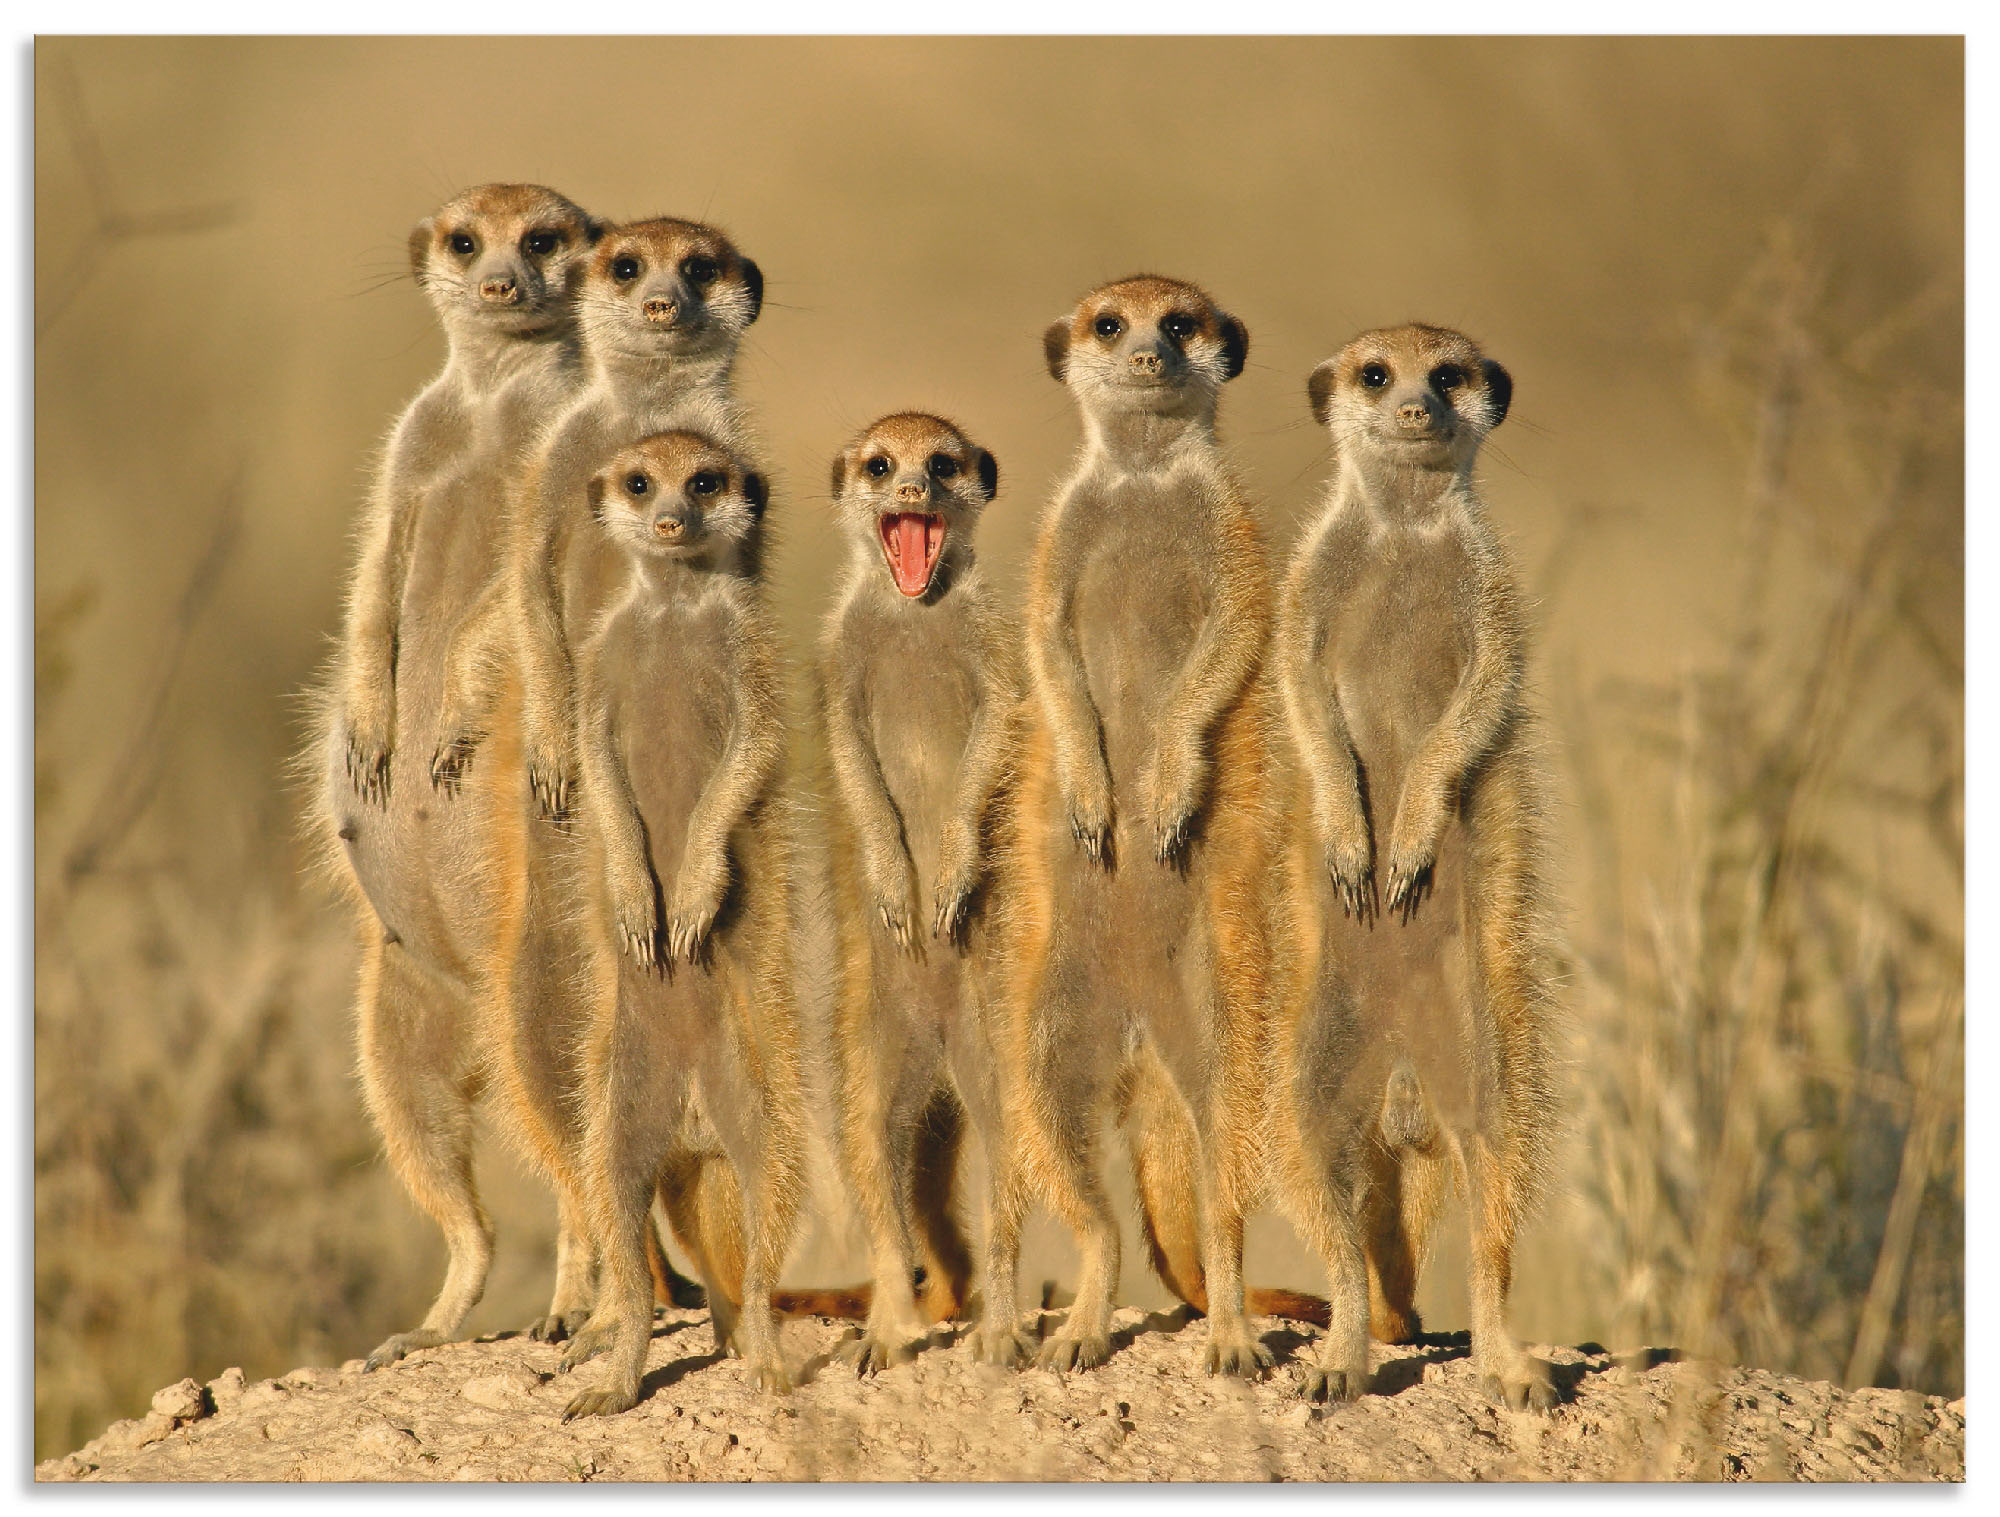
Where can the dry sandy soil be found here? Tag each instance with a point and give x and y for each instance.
(492, 1410)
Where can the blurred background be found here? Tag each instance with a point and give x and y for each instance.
(1727, 276)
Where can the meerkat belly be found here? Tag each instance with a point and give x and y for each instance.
(1407, 985)
(417, 859)
(920, 714)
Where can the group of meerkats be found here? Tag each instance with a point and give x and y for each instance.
(1250, 864)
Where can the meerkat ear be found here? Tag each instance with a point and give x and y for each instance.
(596, 490)
(1319, 390)
(1235, 345)
(1501, 383)
(756, 494)
(839, 480)
(420, 244)
(753, 281)
(989, 474)
(1055, 349)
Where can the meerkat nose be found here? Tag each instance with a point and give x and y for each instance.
(915, 491)
(1414, 414)
(670, 527)
(1146, 363)
(660, 311)
(501, 290)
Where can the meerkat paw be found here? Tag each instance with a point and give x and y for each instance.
(368, 766)
(1332, 1385)
(951, 898)
(690, 921)
(896, 909)
(1413, 842)
(869, 1353)
(392, 1349)
(603, 1401)
(1002, 1344)
(1172, 783)
(591, 1339)
(553, 783)
(1068, 1351)
(634, 910)
(1352, 870)
(452, 759)
(554, 1327)
(1522, 1385)
(1236, 1354)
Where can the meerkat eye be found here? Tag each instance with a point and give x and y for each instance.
(706, 483)
(1374, 375)
(877, 466)
(1447, 376)
(637, 484)
(540, 244)
(943, 466)
(1107, 326)
(1179, 326)
(699, 269)
(463, 244)
(625, 269)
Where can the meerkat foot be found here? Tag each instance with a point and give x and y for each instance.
(392, 1349)
(869, 1353)
(1522, 1385)
(602, 1401)
(1237, 1354)
(1078, 1350)
(554, 1327)
(1333, 1385)
(1004, 1345)
(591, 1339)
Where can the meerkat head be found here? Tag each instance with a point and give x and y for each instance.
(668, 288)
(502, 256)
(1418, 396)
(913, 485)
(680, 497)
(1146, 344)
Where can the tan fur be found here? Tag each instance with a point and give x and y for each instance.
(696, 1057)
(918, 702)
(509, 725)
(497, 264)
(1136, 857)
(1415, 1022)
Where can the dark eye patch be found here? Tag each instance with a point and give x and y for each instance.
(707, 482)
(699, 269)
(1447, 376)
(1179, 325)
(625, 268)
(540, 244)
(637, 484)
(943, 466)
(877, 466)
(1374, 375)
(463, 244)
(1107, 325)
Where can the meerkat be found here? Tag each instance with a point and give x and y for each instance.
(1143, 826)
(682, 739)
(919, 698)
(661, 307)
(498, 265)
(1415, 1029)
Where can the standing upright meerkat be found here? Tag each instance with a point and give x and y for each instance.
(1415, 1033)
(919, 699)
(661, 306)
(1143, 827)
(682, 741)
(498, 264)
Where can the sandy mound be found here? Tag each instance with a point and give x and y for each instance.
(491, 1410)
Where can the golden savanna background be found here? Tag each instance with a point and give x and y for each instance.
(1727, 276)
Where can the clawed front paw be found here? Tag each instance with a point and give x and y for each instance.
(368, 767)
(951, 899)
(1353, 876)
(1172, 784)
(550, 779)
(452, 759)
(1409, 883)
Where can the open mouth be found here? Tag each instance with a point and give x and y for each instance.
(912, 542)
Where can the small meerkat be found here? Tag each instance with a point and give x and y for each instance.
(681, 743)
(919, 701)
(1142, 831)
(661, 306)
(498, 265)
(1415, 1029)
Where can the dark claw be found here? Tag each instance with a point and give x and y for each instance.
(368, 773)
(450, 763)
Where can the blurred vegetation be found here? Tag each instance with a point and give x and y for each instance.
(1745, 525)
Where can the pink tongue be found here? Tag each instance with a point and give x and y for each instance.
(912, 558)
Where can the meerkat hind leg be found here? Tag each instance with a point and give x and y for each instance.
(422, 1104)
(1508, 1374)
(576, 1262)
(1068, 1164)
(882, 1137)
